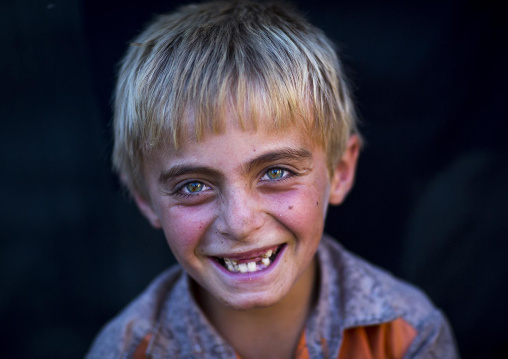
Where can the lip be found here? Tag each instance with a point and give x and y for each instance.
(250, 254)
(251, 276)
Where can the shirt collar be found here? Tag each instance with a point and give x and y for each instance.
(349, 296)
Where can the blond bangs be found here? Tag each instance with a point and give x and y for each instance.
(205, 63)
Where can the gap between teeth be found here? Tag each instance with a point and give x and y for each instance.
(233, 266)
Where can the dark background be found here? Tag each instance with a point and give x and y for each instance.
(428, 205)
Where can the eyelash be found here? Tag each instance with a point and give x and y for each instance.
(179, 191)
(287, 174)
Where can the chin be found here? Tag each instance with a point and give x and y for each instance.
(244, 302)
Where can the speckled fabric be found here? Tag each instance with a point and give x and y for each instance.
(352, 293)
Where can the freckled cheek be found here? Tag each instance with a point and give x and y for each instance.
(184, 228)
(299, 208)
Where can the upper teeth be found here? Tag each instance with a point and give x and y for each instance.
(233, 266)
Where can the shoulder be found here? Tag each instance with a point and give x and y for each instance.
(372, 289)
(129, 327)
(372, 296)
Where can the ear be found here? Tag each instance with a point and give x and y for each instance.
(344, 171)
(146, 209)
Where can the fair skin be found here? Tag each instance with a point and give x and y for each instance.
(235, 195)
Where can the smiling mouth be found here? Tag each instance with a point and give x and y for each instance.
(251, 264)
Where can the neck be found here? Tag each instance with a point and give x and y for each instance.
(271, 332)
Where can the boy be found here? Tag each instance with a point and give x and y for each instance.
(234, 129)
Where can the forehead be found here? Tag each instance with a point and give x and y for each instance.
(243, 136)
(254, 119)
(235, 147)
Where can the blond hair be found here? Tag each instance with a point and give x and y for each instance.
(258, 60)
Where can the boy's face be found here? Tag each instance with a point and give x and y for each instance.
(226, 201)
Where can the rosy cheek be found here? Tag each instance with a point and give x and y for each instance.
(185, 228)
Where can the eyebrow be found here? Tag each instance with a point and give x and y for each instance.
(288, 153)
(181, 170)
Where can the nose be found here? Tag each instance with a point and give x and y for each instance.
(240, 214)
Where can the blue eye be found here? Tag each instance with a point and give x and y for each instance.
(194, 187)
(275, 173)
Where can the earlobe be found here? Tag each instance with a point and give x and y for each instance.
(146, 209)
(344, 173)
